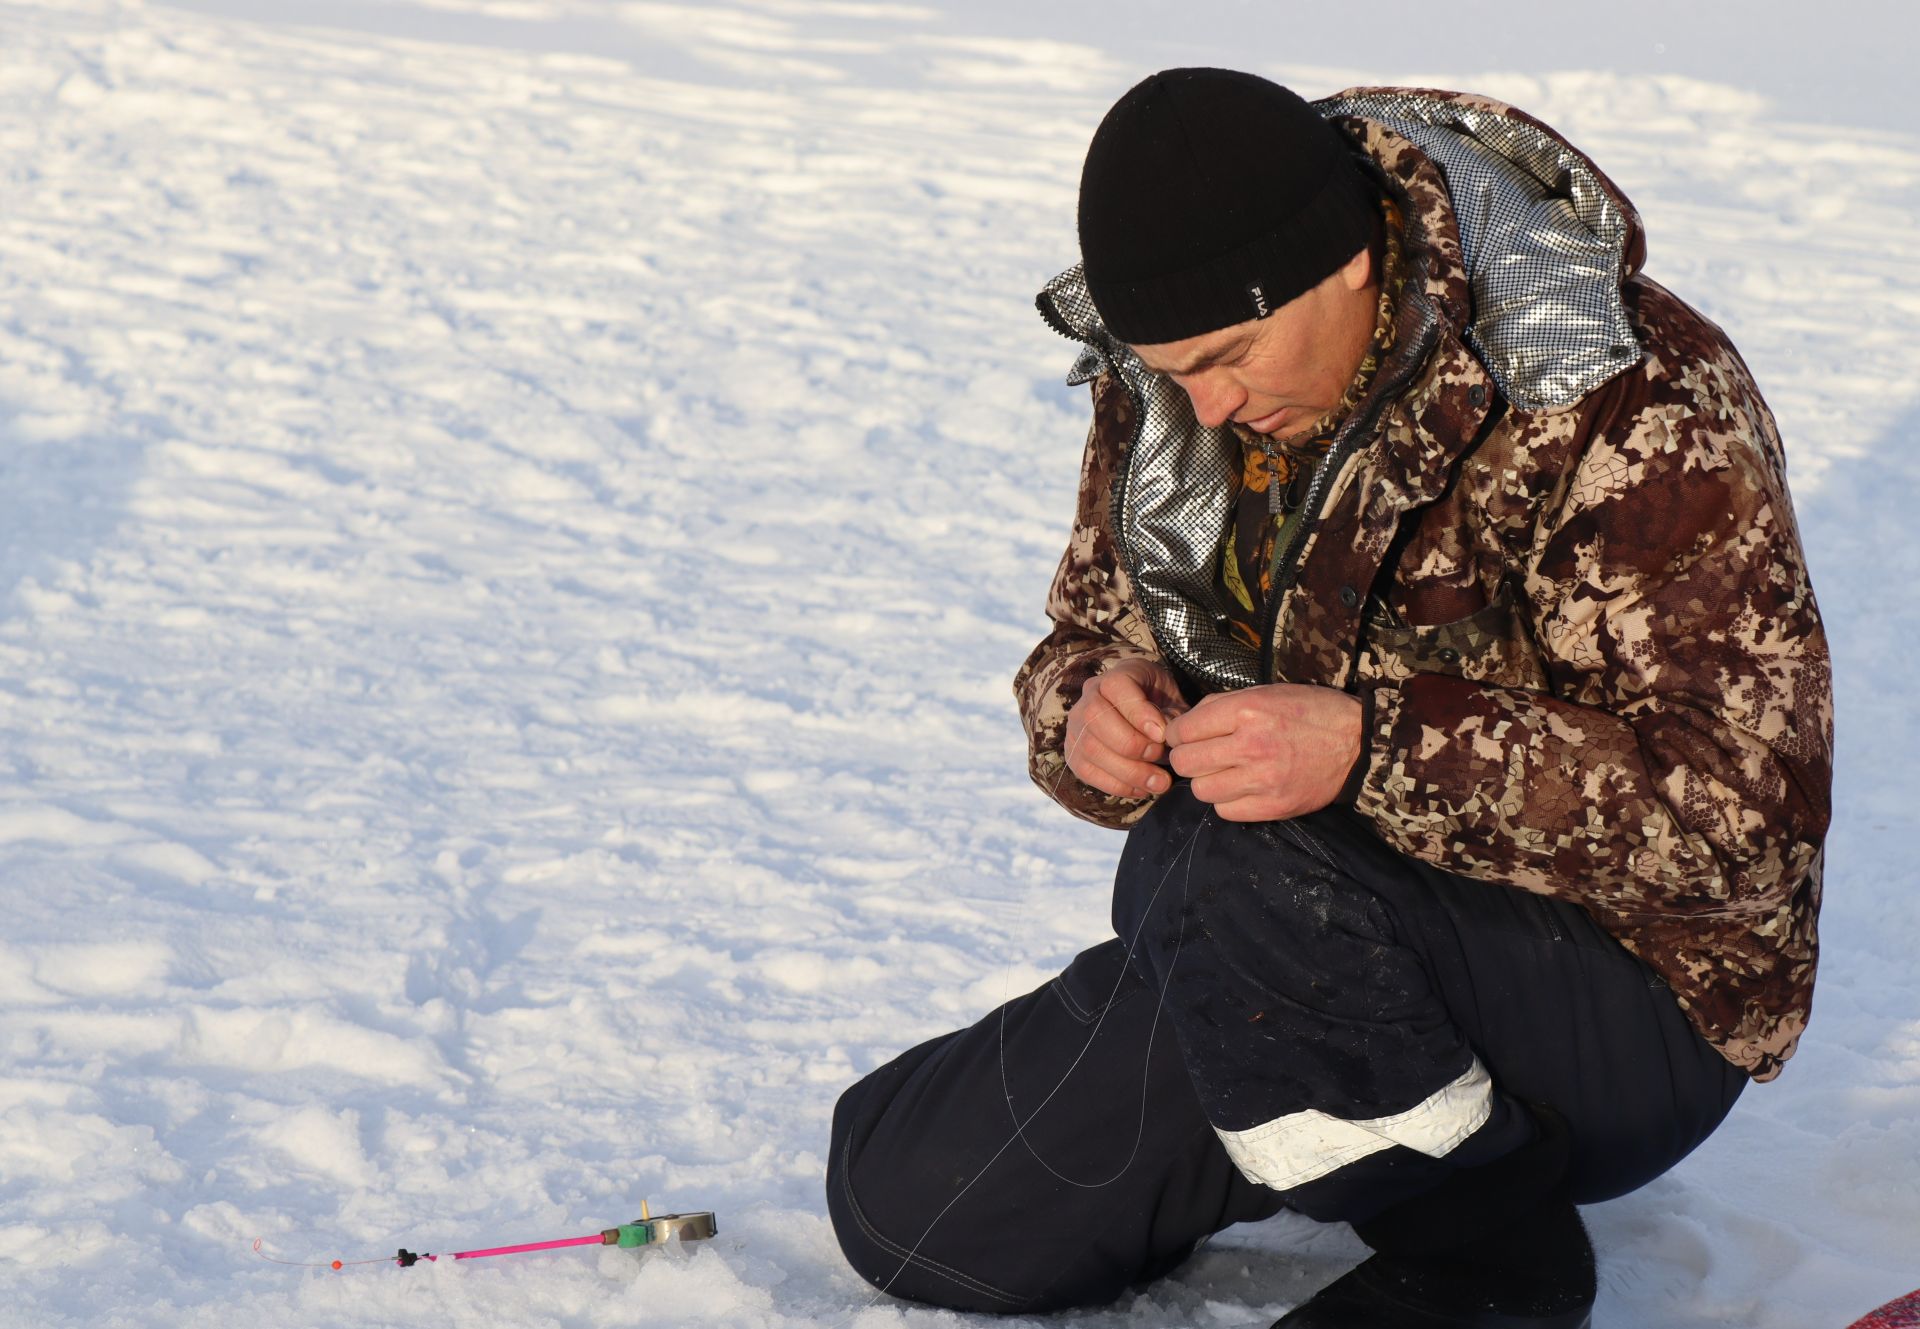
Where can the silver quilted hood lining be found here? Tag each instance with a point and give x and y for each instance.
(1543, 242)
(1169, 500)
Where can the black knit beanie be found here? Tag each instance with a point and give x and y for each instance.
(1211, 197)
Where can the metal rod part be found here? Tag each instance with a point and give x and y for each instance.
(695, 1225)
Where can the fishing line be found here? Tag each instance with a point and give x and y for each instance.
(1190, 849)
(315, 1264)
(1185, 851)
(1159, 1006)
(1020, 1126)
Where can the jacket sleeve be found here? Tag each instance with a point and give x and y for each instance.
(1096, 622)
(1680, 760)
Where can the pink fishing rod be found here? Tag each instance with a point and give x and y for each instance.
(407, 1257)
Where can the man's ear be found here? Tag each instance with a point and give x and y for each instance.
(1358, 270)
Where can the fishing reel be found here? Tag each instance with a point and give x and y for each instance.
(695, 1225)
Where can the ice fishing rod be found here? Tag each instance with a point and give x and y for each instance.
(647, 1230)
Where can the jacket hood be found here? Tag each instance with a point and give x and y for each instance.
(1546, 239)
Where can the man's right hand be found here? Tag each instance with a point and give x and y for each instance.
(1117, 731)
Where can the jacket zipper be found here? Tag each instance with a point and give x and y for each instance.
(1281, 499)
(1286, 568)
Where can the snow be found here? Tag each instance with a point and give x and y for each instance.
(516, 519)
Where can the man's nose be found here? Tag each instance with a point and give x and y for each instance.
(1214, 397)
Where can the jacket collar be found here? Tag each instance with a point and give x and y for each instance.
(1438, 394)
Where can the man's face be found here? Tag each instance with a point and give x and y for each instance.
(1280, 374)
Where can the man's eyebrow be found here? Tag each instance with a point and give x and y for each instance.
(1207, 359)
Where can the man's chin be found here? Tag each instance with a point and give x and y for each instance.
(1288, 431)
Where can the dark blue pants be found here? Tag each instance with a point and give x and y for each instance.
(1291, 1015)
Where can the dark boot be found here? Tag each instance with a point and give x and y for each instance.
(1493, 1247)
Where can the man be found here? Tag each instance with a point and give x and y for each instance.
(1436, 621)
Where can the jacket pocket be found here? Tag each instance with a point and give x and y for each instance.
(1490, 645)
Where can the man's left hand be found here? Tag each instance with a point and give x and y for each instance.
(1267, 753)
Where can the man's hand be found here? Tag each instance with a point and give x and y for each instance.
(1267, 753)
(1116, 732)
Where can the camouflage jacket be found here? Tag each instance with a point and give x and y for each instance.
(1552, 552)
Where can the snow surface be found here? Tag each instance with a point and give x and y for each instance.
(516, 521)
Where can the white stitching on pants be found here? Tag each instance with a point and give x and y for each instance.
(1307, 840)
(914, 1257)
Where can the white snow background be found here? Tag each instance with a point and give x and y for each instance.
(516, 521)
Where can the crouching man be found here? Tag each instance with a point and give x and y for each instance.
(1436, 625)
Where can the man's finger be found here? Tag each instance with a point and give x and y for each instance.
(1134, 778)
(1211, 717)
(1112, 726)
(1234, 784)
(1098, 778)
(1260, 808)
(1195, 760)
(1123, 692)
(1098, 763)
